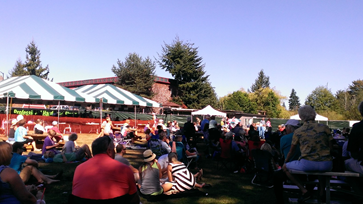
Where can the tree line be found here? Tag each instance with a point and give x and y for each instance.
(194, 90)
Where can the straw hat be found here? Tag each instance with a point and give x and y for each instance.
(148, 155)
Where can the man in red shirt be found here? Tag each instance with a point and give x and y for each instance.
(102, 179)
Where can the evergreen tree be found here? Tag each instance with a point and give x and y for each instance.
(18, 69)
(32, 64)
(294, 102)
(262, 81)
(136, 74)
(182, 61)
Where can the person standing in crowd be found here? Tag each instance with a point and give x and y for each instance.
(97, 180)
(107, 127)
(268, 123)
(315, 142)
(12, 187)
(204, 121)
(262, 128)
(189, 131)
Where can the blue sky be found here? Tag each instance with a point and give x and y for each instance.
(298, 44)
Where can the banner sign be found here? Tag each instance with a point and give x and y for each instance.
(44, 112)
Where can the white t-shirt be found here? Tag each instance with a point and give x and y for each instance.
(106, 127)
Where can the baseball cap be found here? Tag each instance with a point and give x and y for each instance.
(54, 123)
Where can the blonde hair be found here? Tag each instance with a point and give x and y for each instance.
(5, 153)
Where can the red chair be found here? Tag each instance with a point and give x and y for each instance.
(226, 154)
(253, 145)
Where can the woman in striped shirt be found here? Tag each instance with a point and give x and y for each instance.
(181, 178)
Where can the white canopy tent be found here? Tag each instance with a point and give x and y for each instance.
(317, 117)
(208, 110)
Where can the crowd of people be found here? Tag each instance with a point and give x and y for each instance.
(296, 145)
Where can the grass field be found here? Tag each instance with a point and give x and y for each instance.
(226, 186)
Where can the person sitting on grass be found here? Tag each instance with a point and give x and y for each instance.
(71, 147)
(150, 175)
(102, 179)
(13, 189)
(120, 151)
(49, 144)
(18, 160)
(20, 135)
(180, 177)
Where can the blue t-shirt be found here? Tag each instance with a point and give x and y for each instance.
(285, 145)
(19, 134)
(17, 161)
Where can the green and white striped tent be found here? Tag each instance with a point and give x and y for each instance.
(114, 95)
(32, 88)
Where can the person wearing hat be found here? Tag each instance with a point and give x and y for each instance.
(18, 160)
(150, 175)
(58, 135)
(102, 179)
(20, 135)
(285, 145)
(12, 130)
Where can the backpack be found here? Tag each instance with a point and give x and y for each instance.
(155, 146)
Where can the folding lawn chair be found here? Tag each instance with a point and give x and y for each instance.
(263, 169)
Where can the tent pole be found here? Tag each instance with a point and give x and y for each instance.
(135, 115)
(100, 111)
(7, 114)
(58, 112)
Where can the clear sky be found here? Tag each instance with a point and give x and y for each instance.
(299, 44)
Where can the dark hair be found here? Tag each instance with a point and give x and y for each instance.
(101, 145)
(119, 148)
(73, 137)
(159, 127)
(172, 155)
(147, 131)
(18, 145)
(162, 135)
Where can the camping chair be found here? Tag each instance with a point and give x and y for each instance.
(263, 169)
(225, 157)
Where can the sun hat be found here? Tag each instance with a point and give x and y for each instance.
(148, 155)
(14, 121)
(54, 123)
(19, 117)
